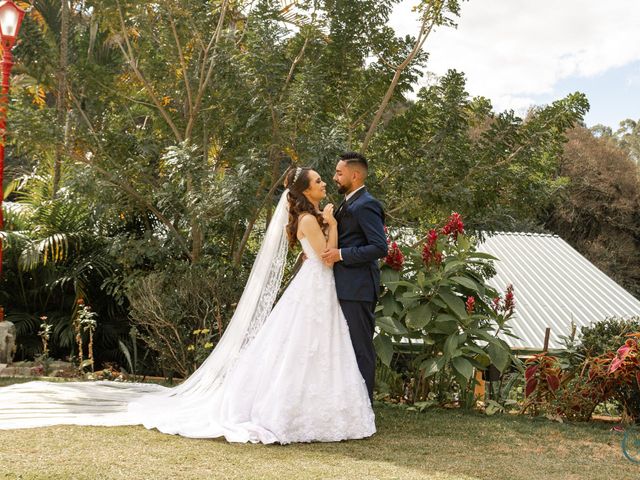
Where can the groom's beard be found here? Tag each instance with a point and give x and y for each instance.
(342, 189)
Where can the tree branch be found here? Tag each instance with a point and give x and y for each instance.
(183, 64)
(427, 24)
(128, 55)
(204, 80)
(245, 237)
(293, 67)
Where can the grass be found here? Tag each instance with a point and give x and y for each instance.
(437, 444)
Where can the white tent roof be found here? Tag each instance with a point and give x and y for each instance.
(553, 285)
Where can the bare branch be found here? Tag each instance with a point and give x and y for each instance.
(204, 80)
(425, 29)
(129, 56)
(293, 67)
(122, 184)
(243, 243)
(183, 64)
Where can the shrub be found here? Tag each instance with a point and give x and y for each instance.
(606, 335)
(436, 303)
(575, 393)
(181, 312)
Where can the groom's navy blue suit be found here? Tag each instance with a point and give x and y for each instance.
(362, 241)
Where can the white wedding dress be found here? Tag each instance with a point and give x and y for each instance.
(289, 377)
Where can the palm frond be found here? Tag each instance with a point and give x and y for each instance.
(52, 249)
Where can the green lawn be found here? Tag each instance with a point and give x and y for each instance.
(438, 444)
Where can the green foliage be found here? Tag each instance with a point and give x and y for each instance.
(440, 307)
(450, 152)
(169, 306)
(597, 211)
(53, 256)
(609, 372)
(174, 139)
(606, 335)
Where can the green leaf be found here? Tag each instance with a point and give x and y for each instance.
(437, 302)
(482, 255)
(418, 317)
(391, 325)
(482, 361)
(467, 283)
(428, 340)
(403, 283)
(384, 348)
(500, 356)
(455, 303)
(463, 367)
(431, 366)
(446, 323)
(389, 305)
(493, 407)
(463, 242)
(389, 278)
(483, 335)
(452, 265)
(412, 294)
(472, 347)
(450, 345)
(445, 317)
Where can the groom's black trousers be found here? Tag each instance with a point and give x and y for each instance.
(361, 321)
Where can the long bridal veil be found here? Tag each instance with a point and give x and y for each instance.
(188, 409)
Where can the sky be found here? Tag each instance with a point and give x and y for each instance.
(520, 53)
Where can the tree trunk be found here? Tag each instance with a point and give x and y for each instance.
(61, 98)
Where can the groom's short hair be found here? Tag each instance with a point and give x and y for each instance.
(355, 159)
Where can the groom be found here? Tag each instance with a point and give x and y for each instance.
(361, 241)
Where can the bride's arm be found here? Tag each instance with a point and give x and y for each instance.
(309, 227)
(332, 238)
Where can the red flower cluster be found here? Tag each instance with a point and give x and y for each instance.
(429, 251)
(470, 304)
(509, 303)
(454, 226)
(395, 258)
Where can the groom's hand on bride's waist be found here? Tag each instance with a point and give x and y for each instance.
(331, 256)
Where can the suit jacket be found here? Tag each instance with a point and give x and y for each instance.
(362, 242)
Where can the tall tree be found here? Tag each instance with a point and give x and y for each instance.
(598, 211)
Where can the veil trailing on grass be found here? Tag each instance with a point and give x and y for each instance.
(189, 409)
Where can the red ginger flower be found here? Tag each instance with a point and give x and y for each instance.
(429, 251)
(395, 258)
(426, 254)
(470, 304)
(509, 302)
(495, 304)
(454, 226)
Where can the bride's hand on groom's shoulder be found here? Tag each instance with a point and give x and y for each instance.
(327, 214)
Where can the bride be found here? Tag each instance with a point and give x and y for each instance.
(281, 375)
